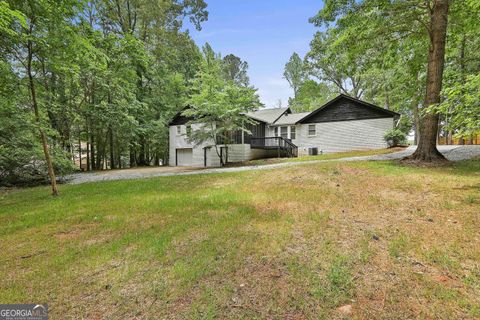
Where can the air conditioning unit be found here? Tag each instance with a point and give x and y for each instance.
(312, 151)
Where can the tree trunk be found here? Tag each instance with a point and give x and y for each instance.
(43, 138)
(79, 152)
(470, 139)
(100, 152)
(88, 145)
(142, 155)
(132, 157)
(416, 117)
(112, 155)
(427, 146)
(119, 154)
(450, 137)
(92, 149)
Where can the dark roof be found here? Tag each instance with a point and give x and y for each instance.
(179, 118)
(279, 115)
(358, 101)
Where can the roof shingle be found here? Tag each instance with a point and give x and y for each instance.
(267, 115)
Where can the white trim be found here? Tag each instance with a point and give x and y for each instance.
(290, 132)
(308, 130)
(287, 133)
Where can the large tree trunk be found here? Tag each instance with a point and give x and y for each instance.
(427, 146)
(43, 138)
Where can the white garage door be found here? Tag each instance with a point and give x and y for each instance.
(184, 157)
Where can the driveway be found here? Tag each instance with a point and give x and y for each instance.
(453, 153)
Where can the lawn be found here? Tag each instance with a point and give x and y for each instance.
(290, 243)
(327, 156)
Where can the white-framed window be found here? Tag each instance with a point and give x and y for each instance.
(179, 130)
(312, 130)
(293, 134)
(275, 132)
(284, 132)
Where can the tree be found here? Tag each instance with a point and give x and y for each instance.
(311, 95)
(427, 147)
(461, 70)
(236, 70)
(30, 49)
(369, 56)
(218, 106)
(106, 76)
(462, 107)
(335, 64)
(294, 73)
(8, 18)
(399, 22)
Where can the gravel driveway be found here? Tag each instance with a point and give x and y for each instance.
(453, 153)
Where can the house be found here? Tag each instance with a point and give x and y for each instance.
(342, 124)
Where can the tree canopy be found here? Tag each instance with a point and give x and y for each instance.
(218, 104)
(103, 76)
(379, 51)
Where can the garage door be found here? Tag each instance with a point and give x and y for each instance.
(184, 157)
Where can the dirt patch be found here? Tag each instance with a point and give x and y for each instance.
(73, 232)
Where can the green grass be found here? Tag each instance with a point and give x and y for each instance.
(398, 245)
(328, 156)
(294, 242)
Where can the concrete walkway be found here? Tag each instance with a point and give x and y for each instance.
(453, 153)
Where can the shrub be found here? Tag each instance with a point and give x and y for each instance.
(27, 167)
(395, 138)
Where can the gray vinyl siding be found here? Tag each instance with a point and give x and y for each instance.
(177, 141)
(236, 152)
(341, 136)
(338, 136)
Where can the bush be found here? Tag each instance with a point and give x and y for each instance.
(395, 138)
(405, 124)
(26, 166)
(21, 155)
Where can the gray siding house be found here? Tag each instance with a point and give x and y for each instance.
(342, 124)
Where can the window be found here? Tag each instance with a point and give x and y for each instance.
(292, 132)
(284, 132)
(312, 131)
(179, 129)
(189, 131)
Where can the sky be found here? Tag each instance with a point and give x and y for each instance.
(264, 33)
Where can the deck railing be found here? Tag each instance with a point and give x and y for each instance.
(278, 143)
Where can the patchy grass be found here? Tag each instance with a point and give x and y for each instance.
(295, 243)
(328, 156)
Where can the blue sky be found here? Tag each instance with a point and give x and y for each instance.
(264, 33)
